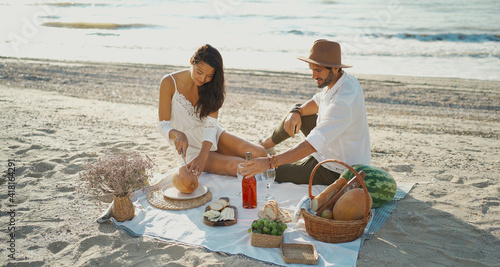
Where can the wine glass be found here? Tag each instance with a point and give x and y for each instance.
(269, 177)
(239, 174)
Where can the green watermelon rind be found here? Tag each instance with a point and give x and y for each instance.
(382, 190)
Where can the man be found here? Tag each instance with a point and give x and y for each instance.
(333, 121)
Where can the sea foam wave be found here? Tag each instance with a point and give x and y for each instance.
(72, 4)
(449, 37)
(96, 25)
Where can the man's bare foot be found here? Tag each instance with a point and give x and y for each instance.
(269, 145)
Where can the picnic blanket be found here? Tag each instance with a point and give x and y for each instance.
(186, 226)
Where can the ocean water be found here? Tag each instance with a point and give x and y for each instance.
(430, 38)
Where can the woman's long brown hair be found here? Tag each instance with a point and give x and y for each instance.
(211, 94)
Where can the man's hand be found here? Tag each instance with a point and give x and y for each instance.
(255, 166)
(293, 124)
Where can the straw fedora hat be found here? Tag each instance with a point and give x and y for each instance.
(325, 53)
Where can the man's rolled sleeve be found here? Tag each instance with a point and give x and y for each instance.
(333, 125)
(316, 139)
(317, 98)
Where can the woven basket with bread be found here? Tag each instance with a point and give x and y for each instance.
(271, 211)
(349, 205)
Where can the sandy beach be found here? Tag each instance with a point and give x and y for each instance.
(441, 134)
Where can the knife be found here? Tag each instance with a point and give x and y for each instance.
(185, 164)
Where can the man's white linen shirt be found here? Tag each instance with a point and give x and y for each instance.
(341, 130)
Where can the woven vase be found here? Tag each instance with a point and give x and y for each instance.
(123, 209)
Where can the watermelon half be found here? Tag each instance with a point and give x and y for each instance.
(380, 184)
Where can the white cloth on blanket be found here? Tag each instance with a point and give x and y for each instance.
(187, 226)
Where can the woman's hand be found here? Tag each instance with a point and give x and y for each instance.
(293, 124)
(180, 142)
(255, 166)
(197, 165)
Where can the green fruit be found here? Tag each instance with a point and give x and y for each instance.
(327, 214)
(274, 231)
(265, 226)
(380, 184)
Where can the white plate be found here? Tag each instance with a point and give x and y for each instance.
(171, 192)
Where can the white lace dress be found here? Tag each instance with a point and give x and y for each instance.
(184, 119)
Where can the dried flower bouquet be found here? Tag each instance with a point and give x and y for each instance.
(118, 174)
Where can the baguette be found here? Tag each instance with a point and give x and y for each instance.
(328, 193)
(223, 202)
(216, 206)
(271, 210)
(353, 183)
(219, 205)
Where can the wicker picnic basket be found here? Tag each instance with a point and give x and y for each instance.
(335, 231)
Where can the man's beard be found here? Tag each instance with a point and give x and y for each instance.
(329, 79)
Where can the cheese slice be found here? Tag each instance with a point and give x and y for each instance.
(212, 215)
(227, 214)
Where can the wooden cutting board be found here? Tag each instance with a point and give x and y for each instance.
(222, 223)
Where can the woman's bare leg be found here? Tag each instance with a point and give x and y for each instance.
(222, 164)
(231, 151)
(233, 145)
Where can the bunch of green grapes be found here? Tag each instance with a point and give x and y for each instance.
(266, 226)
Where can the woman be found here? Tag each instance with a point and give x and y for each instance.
(188, 107)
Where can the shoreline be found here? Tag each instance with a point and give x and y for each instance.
(256, 71)
(441, 134)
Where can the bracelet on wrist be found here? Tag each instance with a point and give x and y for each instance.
(275, 162)
(296, 109)
(270, 162)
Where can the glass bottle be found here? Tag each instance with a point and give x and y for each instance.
(249, 189)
